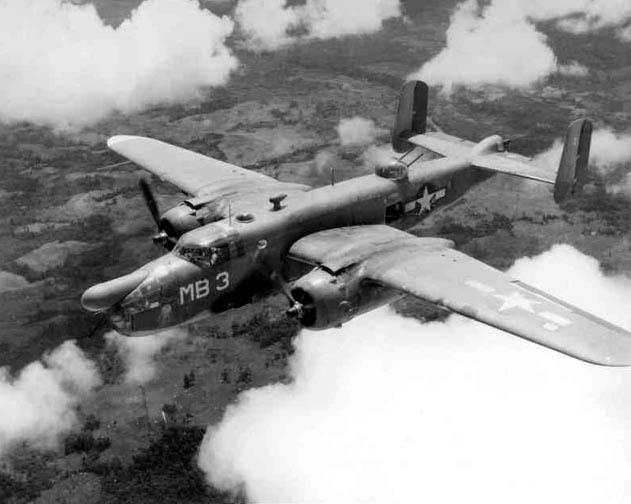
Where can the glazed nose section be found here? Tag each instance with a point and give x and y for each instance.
(103, 296)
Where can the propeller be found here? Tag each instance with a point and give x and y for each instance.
(296, 309)
(162, 238)
(150, 200)
(99, 323)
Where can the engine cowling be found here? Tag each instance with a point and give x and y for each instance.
(189, 215)
(488, 145)
(329, 300)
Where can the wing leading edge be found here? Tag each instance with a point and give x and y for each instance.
(429, 269)
(193, 173)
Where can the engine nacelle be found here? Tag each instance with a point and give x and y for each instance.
(188, 215)
(330, 300)
(178, 220)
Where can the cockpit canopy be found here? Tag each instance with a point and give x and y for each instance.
(202, 255)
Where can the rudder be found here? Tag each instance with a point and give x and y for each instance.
(572, 172)
(411, 118)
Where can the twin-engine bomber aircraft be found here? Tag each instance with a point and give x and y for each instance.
(242, 235)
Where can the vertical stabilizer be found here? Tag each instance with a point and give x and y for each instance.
(411, 118)
(574, 160)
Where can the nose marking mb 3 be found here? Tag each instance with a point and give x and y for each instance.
(201, 288)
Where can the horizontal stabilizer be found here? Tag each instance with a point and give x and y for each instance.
(501, 162)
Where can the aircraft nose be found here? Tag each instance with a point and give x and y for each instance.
(103, 296)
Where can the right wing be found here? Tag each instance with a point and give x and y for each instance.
(193, 173)
(430, 269)
(471, 288)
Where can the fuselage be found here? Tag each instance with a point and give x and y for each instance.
(236, 260)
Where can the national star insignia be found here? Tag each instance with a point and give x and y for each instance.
(516, 300)
(425, 201)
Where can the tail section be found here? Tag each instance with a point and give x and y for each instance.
(411, 118)
(574, 160)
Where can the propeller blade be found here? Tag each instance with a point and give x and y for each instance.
(102, 320)
(282, 286)
(150, 200)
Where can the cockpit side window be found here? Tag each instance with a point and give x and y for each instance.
(205, 256)
(221, 254)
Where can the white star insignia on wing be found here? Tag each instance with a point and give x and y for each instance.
(516, 300)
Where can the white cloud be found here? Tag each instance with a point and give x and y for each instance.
(38, 405)
(573, 69)
(584, 16)
(139, 352)
(357, 131)
(493, 45)
(625, 34)
(61, 65)
(378, 155)
(390, 410)
(622, 187)
(270, 24)
(499, 43)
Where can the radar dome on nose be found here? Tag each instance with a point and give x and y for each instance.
(393, 170)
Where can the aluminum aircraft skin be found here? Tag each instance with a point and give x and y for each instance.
(242, 235)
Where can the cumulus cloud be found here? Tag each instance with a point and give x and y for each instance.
(378, 155)
(625, 34)
(390, 410)
(38, 405)
(573, 69)
(357, 131)
(139, 352)
(270, 24)
(499, 44)
(590, 15)
(62, 66)
(493, 45)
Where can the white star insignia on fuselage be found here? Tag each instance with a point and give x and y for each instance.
(516, 300)
(425, 201)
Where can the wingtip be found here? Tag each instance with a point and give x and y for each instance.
(117, 139)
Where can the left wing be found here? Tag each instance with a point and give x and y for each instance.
(193, 173)
(429, 269)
